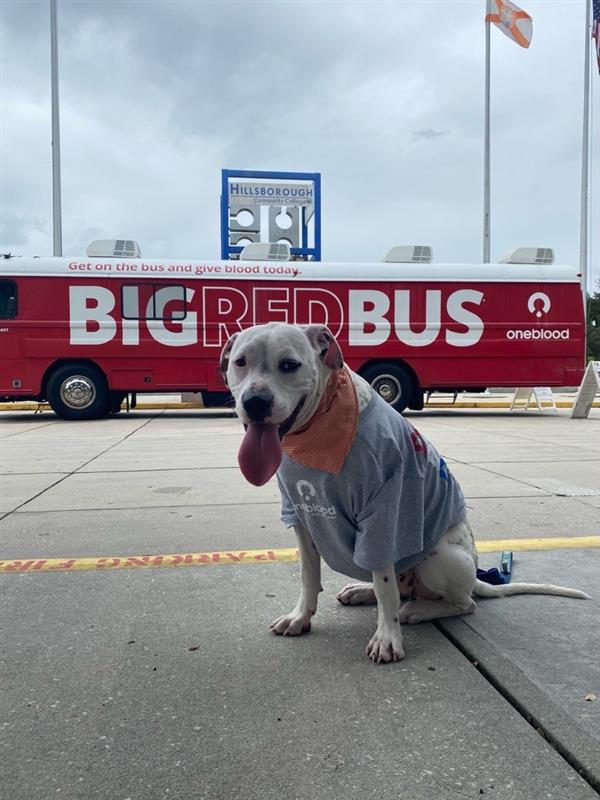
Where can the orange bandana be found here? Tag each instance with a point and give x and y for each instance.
(326, 441)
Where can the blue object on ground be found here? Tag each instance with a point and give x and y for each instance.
(506, 560)
(493, 576)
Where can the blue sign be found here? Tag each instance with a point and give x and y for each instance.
(293, 198)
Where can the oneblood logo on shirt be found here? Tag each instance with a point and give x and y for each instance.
(307, 492)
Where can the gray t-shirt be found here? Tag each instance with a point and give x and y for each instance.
(390, 504)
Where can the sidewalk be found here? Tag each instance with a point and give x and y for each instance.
(167, 691)
(532, 651)
(151, 683)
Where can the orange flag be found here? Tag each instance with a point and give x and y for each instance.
(512, 21)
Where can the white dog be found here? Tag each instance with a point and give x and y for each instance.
(360, 486)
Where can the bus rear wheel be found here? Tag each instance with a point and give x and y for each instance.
(392, 383)
(78, 391)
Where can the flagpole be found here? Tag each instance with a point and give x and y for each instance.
(585, 152)
(56, 196)
(486, 146)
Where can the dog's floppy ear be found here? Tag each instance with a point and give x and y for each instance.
(224, 362)
(323, 341)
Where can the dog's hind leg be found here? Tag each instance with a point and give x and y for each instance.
(449, 572)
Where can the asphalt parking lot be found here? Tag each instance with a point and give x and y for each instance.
(140, 572)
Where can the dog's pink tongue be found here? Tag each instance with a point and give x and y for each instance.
(260, 453)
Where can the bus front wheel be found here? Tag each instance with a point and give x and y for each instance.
(392, 383)
(78, 391)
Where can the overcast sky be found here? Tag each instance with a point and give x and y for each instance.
(384, 99)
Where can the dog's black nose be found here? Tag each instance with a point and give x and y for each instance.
(257, 404)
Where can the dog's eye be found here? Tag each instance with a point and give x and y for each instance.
(240, 362)
(288, 365)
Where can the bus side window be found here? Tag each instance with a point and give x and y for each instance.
(8, 299)
(153, 302)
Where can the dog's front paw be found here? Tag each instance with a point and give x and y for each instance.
(386, 646)
(293, 624)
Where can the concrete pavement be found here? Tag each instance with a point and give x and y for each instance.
(160, 683)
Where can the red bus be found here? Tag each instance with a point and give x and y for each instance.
(84, 333)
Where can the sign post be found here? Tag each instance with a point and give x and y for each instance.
(588, 389)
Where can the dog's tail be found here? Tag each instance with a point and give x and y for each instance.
(482, 589)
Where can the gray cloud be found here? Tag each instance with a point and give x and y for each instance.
(158, 96)
(428, 133)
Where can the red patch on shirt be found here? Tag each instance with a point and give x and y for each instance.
(417, 440)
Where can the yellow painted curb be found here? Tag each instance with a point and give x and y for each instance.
(480, 404)
(31, 406)
(546, 543)
(218, 558)
(223, 558)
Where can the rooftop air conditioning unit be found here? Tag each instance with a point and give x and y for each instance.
(113, 248)
(529, 255)
(409, 254)
(266, 251)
